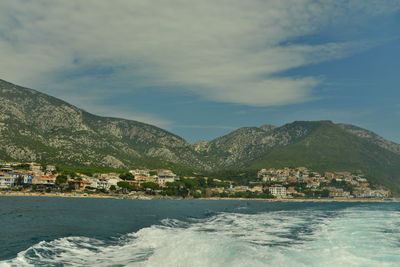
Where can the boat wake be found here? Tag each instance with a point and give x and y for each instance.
(349, 237)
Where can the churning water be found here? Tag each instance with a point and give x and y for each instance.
(206, 233)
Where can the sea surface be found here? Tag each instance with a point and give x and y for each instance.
(47, 231)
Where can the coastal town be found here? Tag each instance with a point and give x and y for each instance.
(286, 183)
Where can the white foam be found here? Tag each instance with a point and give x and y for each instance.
(352, 237)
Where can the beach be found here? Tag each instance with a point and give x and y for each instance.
(143, 196)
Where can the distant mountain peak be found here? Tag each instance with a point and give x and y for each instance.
(371, 136)
(37, 127)
(267, 127)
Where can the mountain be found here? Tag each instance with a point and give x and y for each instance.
(372, 137)
(234, 149)
(329, 147)
(244, 145)
(38, 127)
(319, 145)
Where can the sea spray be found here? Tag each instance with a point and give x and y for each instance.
(355, 236)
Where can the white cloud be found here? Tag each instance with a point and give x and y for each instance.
(222, 50)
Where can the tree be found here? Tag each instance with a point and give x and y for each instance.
(125, 185)
(70, 174)
(176, 189)
(61, 179)
(150, 185)
(215, 183)
(127, 176)
(190, 184)
(20, 180)
(23, 166)
(202, 182)
(113, 188)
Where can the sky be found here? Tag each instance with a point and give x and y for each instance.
(201, 69)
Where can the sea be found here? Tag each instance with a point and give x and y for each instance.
(51, 231)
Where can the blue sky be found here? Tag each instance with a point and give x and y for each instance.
(201, 69)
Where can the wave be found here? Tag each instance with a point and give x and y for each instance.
(350, 237)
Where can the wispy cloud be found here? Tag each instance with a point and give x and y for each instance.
(222, 50)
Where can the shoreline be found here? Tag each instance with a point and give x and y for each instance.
(148, 197)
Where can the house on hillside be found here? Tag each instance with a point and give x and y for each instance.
(44, 180)
(51, 168)
(79, 184)
(103, 183)
(164, 177)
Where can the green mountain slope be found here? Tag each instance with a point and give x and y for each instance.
(234, 149)
(328, 147)
(38, 127)
(239, 148)
(371, 137)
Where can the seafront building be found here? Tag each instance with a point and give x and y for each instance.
(279, 183)
(6, 180)
(15, 174)
(278, 191)
(332, 184)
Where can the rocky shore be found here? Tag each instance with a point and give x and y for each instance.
(148, 197)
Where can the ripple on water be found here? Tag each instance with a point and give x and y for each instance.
(349, 237)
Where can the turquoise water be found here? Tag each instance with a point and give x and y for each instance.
(118, 232)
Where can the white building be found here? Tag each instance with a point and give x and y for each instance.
(103, 183)
(313, 184)
(166, 178)
(339, 192)
(51, 168)
(36, 168)
(278, 191)
(9, 178)
(376, 194)
(256, 189)
(7, 181)
(361, 180)
(239, 188)
(113, 182)
(138, 172)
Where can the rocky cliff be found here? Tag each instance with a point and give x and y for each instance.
(38, 127)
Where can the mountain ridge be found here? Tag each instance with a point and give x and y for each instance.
(55, 124)
(38, 127)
